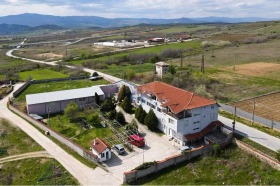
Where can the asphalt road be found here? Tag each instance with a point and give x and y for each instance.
(253, 134)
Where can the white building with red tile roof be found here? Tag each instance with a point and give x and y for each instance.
(180, 113)
(101, 149)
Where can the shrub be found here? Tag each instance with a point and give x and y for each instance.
(132, 128)
(151, 121)
(108, 105)
(112, 114)
(94, 74)
(120, 118)
(71, 110)
(94, 119)
(126, 105)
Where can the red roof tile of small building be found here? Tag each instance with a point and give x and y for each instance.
(174, 98)
(205, 131)
(99, 145)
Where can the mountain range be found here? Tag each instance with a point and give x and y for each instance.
(94, 21)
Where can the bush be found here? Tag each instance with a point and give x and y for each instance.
(71, 110)
(108, 105)
(126, 105)
(94, 119)
(132, 128)
(94, 74)
(151, 121)
(120, 118)
(112, 114)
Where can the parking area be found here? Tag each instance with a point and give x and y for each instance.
(156, 148)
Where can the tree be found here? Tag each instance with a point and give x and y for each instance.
(94, 74)
(120, 118)
(151, 120)
(126, 105)
(108, 105)
(112, 114)
(71, 110)
(127, 92)
(138, 112)
(172, 69)
(142, 116)
(97, 98)
(122, 93)
(94, 119)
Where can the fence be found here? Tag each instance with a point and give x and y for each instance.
(250, 116)
(77, 148)
(23, 87)
(134, 175)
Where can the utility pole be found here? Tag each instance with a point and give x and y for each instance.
(202, 64)
(234, 120)
(254, 107)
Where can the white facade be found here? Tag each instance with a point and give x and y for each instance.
(161, 69)
(176, 126)
(103, 156)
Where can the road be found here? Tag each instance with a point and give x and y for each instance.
(84, 174)
(37, 154)
(253, 134)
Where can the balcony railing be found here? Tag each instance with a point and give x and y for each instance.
(178, 116)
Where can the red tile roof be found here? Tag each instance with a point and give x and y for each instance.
(99, 145)
(176, 99)
(205, 131)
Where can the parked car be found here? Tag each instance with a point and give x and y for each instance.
(119, 148)
(136, 140)
(184, 149)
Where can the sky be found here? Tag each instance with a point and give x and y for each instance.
(144, 8)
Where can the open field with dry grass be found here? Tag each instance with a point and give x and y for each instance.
(267, 106)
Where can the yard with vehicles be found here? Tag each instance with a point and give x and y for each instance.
(16, 142)
(230, 166)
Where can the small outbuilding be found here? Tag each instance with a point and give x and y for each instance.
(101, 149)
(161, 69)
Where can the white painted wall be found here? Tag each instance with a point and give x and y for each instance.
(102, 156)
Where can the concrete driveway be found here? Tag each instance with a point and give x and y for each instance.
(156, 148)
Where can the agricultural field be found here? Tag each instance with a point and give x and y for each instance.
(232, 167)
(39, 74)
(267, 106)
(183, 29)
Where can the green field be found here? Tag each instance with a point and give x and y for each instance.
(39, 74)
(57, 86)
(147, 50)
(180, 29)
(75, 131)
(14, 141)
(35, 171)
(232, 167)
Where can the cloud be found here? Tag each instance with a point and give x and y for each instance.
(145, 8)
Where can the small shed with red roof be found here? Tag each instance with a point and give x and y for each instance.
(101, 149)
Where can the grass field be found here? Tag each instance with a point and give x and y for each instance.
(35, 171)
(232, 167)
(57, 86)
(180, 29)
(153, 49)
(39, 74)
(75, 131)
(14, 141)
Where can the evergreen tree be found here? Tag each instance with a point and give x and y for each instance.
(122, 93)
(97, 98)
(142, 116)
(120, 118)
(127, 92)
(138, 112)
(126, 105)
(108, 105)
(112, 114)
(151, 120)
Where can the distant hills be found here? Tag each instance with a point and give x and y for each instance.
(9, 29)
(34, 20)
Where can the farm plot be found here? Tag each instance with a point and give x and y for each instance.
(267, 106)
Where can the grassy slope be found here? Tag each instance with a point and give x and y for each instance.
(233, 167)
(46, 172)
(41, 74)
(15, 141)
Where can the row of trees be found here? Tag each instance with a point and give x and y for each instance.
(149, 119)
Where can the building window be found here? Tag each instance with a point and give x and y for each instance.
(171, 121)
(212, 107)
(195, 128)
(196, 122)
(158, 109)
(82, 99)
(153, 106)
(102, 155)
(196, 114)
(142, 100)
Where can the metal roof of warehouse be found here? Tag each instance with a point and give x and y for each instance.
(47, 97)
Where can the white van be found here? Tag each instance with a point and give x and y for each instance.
(184, 149)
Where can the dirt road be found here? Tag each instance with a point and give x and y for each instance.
(37, 154)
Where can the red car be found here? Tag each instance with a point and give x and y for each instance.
(136, 140)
